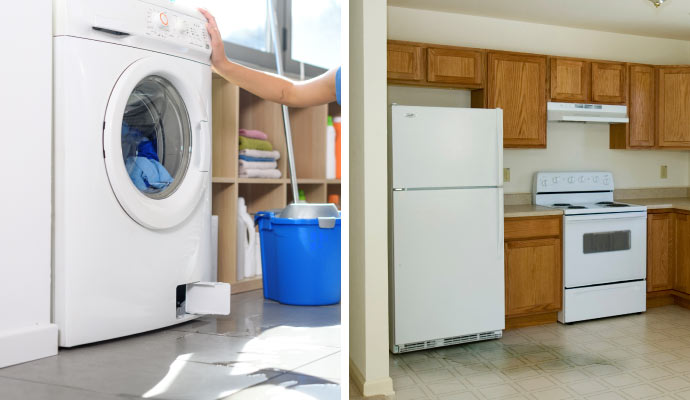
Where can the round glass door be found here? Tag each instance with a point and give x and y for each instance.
(156, 137)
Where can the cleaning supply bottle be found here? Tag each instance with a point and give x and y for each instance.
(302, 196)
(246, 242)
(337, 126)
(330, 149)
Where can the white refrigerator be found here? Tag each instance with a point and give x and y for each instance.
(446, 194)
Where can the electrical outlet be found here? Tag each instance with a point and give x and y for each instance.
(664, 172)
(506, 174)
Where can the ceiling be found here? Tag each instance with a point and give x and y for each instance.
(637, 17)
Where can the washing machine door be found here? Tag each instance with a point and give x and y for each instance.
(156, 141)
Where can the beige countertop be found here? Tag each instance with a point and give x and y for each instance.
(530, 210)
(682, 203)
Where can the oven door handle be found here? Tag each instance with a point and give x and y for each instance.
(600, 217)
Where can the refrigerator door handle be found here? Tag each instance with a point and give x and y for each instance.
(499, 146)
(499, 219)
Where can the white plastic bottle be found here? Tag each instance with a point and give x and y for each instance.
(330, 149)
(246, 237)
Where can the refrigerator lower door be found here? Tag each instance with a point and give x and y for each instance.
(447, 265)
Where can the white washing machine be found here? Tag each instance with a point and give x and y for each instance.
(132, 160)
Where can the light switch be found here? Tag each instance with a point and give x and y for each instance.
(506, 174)
(664, 172)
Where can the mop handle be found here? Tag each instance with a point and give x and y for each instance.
(286, 115)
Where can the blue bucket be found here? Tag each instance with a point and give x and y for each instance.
(300, 259)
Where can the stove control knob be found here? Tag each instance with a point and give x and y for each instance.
(544, 182)
(606, 181)
(556, 179)
(582, 179)
(571, 179)
(595, 179)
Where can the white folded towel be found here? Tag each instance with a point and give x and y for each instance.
(261, 153)
(260, 173)
(258, 164)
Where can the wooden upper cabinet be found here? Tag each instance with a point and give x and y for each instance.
(405, 62)
(661, 230)
(641, 106)
(517, 84)
(609, 83)
(455, 66)
(673, 112)
(641, 131)
(570, 79)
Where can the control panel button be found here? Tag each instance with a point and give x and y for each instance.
(571, 179)
(582, 179)
(556, 179)
(163, 19)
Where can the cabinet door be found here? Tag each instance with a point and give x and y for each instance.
(682, 245)
(570, 79)
(642, 106)
(533, 276)
(517, 84)
(455, 66)
(674, 107)
(405, 62)
(609, 82)
(660, 251)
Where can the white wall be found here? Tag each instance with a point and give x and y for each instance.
(569, 146)
(25, 173)
(368, 215)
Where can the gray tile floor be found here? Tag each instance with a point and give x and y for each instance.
(644, 356)
(263, 350)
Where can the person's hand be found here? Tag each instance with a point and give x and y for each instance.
(217, 47)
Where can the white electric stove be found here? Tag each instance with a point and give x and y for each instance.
(604, 245)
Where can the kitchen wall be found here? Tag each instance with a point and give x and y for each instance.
(569, 146)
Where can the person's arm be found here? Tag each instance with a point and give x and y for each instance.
(319, 90)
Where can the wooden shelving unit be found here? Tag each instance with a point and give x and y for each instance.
(234, 108)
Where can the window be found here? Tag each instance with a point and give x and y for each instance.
(310, 17)
(309, 31)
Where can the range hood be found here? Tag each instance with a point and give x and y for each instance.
(597, 113)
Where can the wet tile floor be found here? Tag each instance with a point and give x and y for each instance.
(263, 350)
(645, 356)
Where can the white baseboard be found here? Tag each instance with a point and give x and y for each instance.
(28, 344)
(382, 387)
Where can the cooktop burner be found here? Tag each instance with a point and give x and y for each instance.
(617, 205)
(562, 204)
(576, 207)
(605, 202)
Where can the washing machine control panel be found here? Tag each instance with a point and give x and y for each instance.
(169, 25)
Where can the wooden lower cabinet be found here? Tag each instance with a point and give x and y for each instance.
(661, 232)
(533, 270)
(533, 276)
(682, 241)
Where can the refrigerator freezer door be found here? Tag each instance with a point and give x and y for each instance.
(447, 263)
(437, 147)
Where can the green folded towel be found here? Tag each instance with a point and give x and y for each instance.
(254, 144)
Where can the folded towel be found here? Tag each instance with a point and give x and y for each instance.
(260, 173)
(258, 164)
(255, 144)
(273, 155)
(255, 159)
(254, 134)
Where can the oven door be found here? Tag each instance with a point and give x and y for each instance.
(604, 248)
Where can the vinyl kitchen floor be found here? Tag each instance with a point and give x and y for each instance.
(644, 356)
(263, 350)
